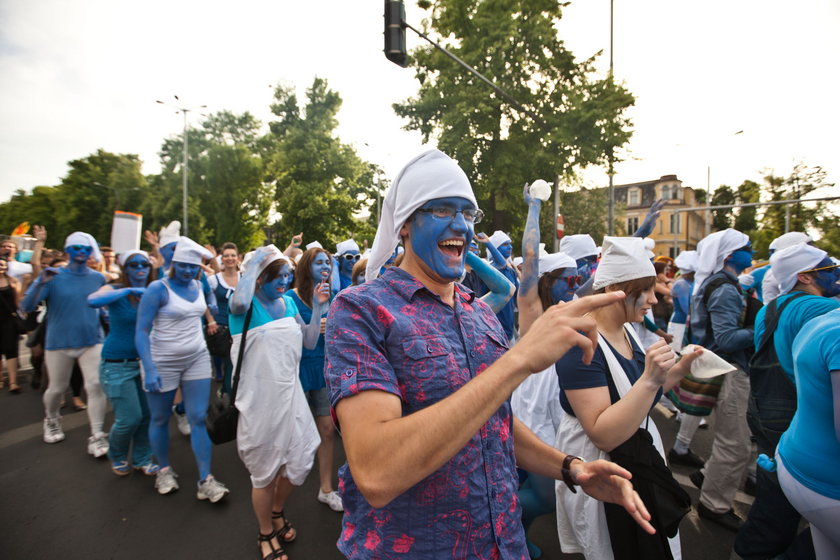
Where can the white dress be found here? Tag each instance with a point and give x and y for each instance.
(276, 432)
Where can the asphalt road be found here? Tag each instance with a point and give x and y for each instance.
(58, 502)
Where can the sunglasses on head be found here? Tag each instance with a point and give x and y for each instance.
(351, 257)
(139, 264)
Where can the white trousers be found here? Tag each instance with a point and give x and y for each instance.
(60, 368)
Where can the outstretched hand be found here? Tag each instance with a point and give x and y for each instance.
(151, 238)
(297, 240)
(650, 220)
(322, 293)
(39, 233)
(607, 482)
(526, 195)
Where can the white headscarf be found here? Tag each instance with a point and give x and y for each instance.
(713, 250)
(579, 246)
(686, 261)
(624, 259)
(346, 247)
(787, 263)
(314, 245)
(499, 238)
(86, 240)
(123, 258)
(428, 176)
(170, 234)
(789, 239)
(275, 255)
(189, 252)
(554, 261)
(649, 245)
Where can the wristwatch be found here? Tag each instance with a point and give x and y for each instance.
(567, 475)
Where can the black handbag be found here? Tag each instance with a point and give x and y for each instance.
(220, 342)
(222, 415)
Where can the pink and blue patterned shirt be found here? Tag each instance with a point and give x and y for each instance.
(396, 336)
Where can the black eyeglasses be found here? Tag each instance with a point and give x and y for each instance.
(351, 257)
(472, 215)
(139, 264)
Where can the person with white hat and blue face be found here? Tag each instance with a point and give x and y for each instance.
(119, 370)
(74, 334)
(769, 284)
(419, 377)
(347, 254)
(499, 246)
(807, 279)
(171, 345)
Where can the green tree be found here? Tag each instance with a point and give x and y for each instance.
(322, 187)
(580, 120)
(746, 221)
(724, 217)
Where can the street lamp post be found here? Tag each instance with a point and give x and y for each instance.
(185, 166)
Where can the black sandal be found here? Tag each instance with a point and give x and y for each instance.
(276, 551)
(287, 526)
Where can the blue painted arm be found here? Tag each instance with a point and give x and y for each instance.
(650, 220)
(209, 295)
(240, 301)
(528, 299)
(724, 307)
(106, 295)
(320, 303)
(501, 289)
(154, 298)
(496, 257)
(38, 291)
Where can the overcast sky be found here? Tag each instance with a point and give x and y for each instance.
(79, 75)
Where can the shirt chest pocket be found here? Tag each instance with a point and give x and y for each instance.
(428, 371)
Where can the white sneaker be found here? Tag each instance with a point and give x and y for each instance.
(98, 445)
(183, 422)
(211, 489)
(332, 499)
(52, 430)
(165, 481)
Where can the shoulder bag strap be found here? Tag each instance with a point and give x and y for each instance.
(241, 354)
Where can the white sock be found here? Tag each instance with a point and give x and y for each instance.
(680, 448)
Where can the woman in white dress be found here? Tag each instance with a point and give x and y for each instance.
(276, 435)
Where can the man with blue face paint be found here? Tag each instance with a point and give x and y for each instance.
(500, 248)
(347, 254)
(420, 378)
(720, 323)
(74, 334)
(807, 280)
(769, 283)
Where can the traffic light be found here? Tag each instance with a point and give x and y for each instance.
(395, 32)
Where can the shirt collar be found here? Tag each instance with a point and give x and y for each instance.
(409, 285)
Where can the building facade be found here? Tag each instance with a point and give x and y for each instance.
(680, 230)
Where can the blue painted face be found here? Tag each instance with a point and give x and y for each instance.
(586, 267)
(79, 253)
(321, 267)
(274, 289)
(137, 269)
(441, 242)
(184, 272)
(565, 285)
(505, 249)
(740, 259)
(167, 252)
(347, 261)
(828, 280)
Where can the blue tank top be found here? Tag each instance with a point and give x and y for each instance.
(119, 345)
(311, 361)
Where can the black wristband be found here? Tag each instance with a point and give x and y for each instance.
(567, 475)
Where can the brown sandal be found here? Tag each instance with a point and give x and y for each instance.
(283, 532)
(276, 552)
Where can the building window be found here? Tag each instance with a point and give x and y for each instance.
(672, 252)
(666, 192)
(675, 223)
(632, 225)
(633, 197)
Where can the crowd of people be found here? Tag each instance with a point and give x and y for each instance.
(473, 395)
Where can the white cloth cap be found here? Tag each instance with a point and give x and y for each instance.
(499, 238)
(789, 239)
(649, 245)
(346, 247)
(170, 234)
(123, 258)
(787, 263)
(85, 239)
(314, 245)
(428, 176)
(579, 246)
(189, 252)
(517, 261)
(276, 255)
(624, 259)
(554, 261)
(713, 250)
(686, 261)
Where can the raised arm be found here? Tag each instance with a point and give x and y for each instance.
(528, 299)
(40, 234)
(154, 298)
(496, 258)
(501, 289)
(650, 220)
(240, 301)
(387, 452)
